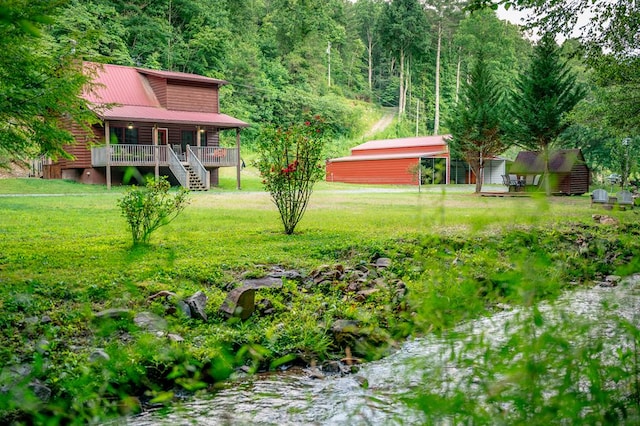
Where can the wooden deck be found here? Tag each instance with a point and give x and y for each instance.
(506, 194)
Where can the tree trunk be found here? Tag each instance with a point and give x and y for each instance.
(401, 94)
(546, 177)
(458, 77)
(436, 119)
(479, 179)
(370, 54)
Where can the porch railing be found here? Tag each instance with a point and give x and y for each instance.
(177, 169)
(214, 156)
(128, 155)
(144, 155)
(197, 167)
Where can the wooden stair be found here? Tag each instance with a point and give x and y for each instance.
(194, 182)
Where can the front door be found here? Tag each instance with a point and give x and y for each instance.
(163, 136)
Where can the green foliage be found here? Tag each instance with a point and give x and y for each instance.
(290, 165)
(40, 84)
(552, 365)
(476, 132)
(147, 209)
(545, 94)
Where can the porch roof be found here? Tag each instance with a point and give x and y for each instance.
(163, 115)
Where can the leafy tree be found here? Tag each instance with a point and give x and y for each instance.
(545, 93)
(445, 15)
(610, 39)
(148, 208)
(290, 164)
(475, 128)
(39, 83)
(403, 26)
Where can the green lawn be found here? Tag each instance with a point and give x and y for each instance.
(65, 253)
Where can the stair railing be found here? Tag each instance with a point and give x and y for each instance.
(196, 165)
(177, 168)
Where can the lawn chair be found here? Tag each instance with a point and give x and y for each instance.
(599, 196)
(625, 198)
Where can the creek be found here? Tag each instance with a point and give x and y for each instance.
(373, 395)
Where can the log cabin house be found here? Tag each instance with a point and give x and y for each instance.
(160, 122)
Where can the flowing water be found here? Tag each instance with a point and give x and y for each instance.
(372, 396)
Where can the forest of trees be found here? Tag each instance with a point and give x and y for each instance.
(284, 57)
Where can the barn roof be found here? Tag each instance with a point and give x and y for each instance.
(561, 161)
(124, 93)
(418, 141)
(388, 156)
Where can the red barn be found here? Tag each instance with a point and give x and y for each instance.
(394, 161)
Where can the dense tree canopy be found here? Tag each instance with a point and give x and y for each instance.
(476, 130)
(275, 54)
(545, 94)
(39, 82)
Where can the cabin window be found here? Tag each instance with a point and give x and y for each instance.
(122, 135)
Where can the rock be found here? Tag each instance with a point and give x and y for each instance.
(175, 338)
(314, 373)
(613, 278)
(362, 381)
(42, 346)
(343, 326)
(114, 313)
(335, 367)
(46, 319)
(265, 306)
(42, 392)
(383, 262)
(197, 304)
(150, 321)
(364, 294)
(605, 220)
(99, 355)
(240, 302)
(184, 308)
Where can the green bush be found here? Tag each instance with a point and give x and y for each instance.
(147, 209)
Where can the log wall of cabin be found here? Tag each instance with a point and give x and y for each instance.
(194, 98)
(159, 86)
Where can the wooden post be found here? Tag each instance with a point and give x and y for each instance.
(156, 151)
(239, 161)
(107, 136)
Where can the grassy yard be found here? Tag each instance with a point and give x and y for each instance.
(65, 253)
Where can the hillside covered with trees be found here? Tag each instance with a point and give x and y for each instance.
(284, 57)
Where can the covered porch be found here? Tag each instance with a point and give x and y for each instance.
(189, 151)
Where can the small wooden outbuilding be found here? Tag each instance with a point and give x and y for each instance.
(393, 161)
(568, 171)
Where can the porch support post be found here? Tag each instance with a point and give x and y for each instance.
(108, 146)
(448, 178)
(198, 136)
(239, 161)
(156, 150)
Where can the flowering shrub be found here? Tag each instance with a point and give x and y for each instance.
(290, 164)
(147, 209)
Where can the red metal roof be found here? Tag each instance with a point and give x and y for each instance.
(163, 115)
(388, 156)
(116, 84)
(403, 143)
(172, 75)
(123, 93)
